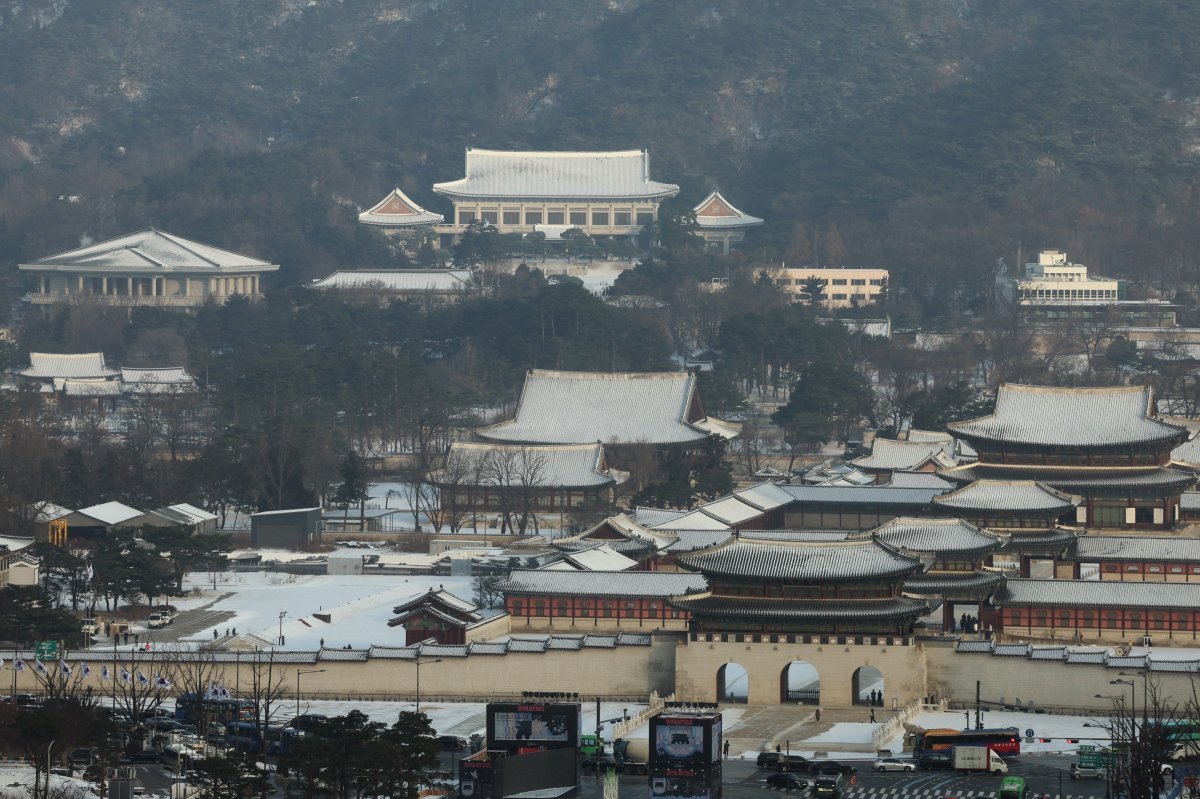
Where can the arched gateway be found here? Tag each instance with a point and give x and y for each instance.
(733, 683)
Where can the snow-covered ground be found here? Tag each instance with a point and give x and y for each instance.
(1059, 729)
(16, 782)
(360, 605)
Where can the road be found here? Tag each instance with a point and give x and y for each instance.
(1045, 775)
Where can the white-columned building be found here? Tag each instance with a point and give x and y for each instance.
(605, 194)
(149, 268)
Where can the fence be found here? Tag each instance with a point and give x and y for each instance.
(895, 725)
(621, 729)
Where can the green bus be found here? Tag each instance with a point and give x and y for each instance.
(1011, 788)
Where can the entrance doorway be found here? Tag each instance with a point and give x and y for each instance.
(867, 686)
(733, 683)
(800, 683)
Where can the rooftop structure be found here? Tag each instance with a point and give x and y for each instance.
(1015, 496)
(600, 193)
(598, 557)
(396, 213)
(425, 286)
(1054, 281)
(156, 380)
(720, 224)
(149, 267)
(436, 615)
(44, 367)
(888, 455)
(622, 534)
(612, 408)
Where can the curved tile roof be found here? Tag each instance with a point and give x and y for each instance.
(151, 251)
(397, 210)
(802, 610)
(1067, 478)
(1098, 593)
(951, 582)
(887, 453)
(597, 583)
(715, 212)
(914, 534)
(557, 466)
(548, 175)
(1134, 547)
(76, 365)
(1012, 495)
(816, 561)
(397, 280)
(1047, 416)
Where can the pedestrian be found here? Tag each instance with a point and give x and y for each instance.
(322, 643)
(226, 632)
(136, 637)
(215, 636)
(235, 630)
(778, 749)
(726, 748)
(872, 715)
(126, 637)
(818, 714)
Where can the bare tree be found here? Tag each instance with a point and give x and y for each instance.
(459, 485)
(518, 475)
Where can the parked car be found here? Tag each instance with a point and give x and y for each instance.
(1079, 772)
(308, 721)
(831, 767)
(893, 764)
(932, 760)
(786, 781)
(162, 725)
(81, 757)
(781, 762)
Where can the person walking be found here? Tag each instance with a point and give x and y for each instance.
(726, 748)
(872, 715)
(818, 714)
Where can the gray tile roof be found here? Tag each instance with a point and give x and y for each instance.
(802, 609)
(715, 212)
(551, 175)
(1069, 479)
(823, 561)
(913, 534)
(626, 583)
(76, 366)
(888, 453)
(1188, 452)
(694, 520)
(1190, 500)
(563, 465)
(691, 540)
(731, 510)
(1078, 417)
(397, 210)
(799, 535)
(1009, 495)
(973, 646)
(399, 281)
(1098, 593)
(1048, 653)
(1133, 547)
(1020, 539)
(586, 407)
(1011, 650)
(650, 517)
(974, 583)
(862, 495)
(765, 496)
(150, 251)
(919, 480)
(1086, 655)
(1184, 666)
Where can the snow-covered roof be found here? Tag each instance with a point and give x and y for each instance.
(764, 496)
(46, 512)
(563, 465)
(1078, 417)
(731, 510)
(110, 512)
(156, 380)
(397, 210)
(887, 453)
(584, 407)
(497, 173)
(919, 480)
(77, 366)
(599, 558)
(694, 520)
(651, 517)
(595, 583)
(88, 388)
(399, 281)
(714, 211)
(283, 511)
(150, 251)
(183, 513)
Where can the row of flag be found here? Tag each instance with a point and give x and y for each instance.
(85, 670)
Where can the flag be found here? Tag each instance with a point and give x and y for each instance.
(64, 668)
(224, 691)
(105, 674)
(126, 676)
(40, 666)
(161, 681)
(18, 665)
(85, 670)
(1, 663)
(142, 678)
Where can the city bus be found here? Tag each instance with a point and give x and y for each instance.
(189, 709)
(1004, 741)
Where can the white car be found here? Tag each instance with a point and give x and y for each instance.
(892, 764)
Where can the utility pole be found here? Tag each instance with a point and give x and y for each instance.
(978, 720)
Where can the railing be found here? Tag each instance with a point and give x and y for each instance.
(623, 728)
(803, 696)
(895, 725)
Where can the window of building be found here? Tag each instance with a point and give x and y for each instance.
(466, 217)
(564, 607)
(645, 217)
(488, 216)
(876, 281)
(1154, 569)
(600, 218)
(533, 217)
(621, 218)
(858, 282)
(1133, 567)
(554, 217)
(579, 218)
(585, 609)
(1111, 567)
(512, 217)
(839, 296)
(516, 607)
(838, 281)
(1176, 570)
(539, 608)
(608, 609)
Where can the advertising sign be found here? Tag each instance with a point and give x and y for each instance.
(685, 745)
(513, 726)
(680, 788)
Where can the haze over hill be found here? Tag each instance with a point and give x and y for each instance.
(936, 134)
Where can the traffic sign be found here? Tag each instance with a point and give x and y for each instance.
(45, 650)
(1086, 748)
(1029, 732)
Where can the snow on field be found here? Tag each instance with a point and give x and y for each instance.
(17, 782)
(845, 733)
(1059, 729)
(360, 605)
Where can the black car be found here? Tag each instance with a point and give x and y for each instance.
(932, 760)
(143, 757)
(831, 767)
(781, 762)
(81, 757)
(308, 722)
(786, 781)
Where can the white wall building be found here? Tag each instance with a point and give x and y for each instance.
(1053, 280)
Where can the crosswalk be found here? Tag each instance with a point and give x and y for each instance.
(937, 793)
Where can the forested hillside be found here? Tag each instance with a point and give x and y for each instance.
(936, 135)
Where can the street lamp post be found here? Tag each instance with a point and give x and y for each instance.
(282, 614)
(418, 663)
(298, 674)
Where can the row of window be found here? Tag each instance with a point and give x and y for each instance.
(876, 281)
(764, 638)
(1153, 568)
(605, 609)
(1111, 619)
(1058, 459)
(846, 297)
(539, 500)
(1069, 294)
(577, 218)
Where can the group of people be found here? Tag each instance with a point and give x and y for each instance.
(968, 624)
(875, 698)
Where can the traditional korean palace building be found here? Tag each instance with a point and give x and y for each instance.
(397, 215)
(556, 477)
(1136, 558)
(957, 557)
(549, 599)
(1097, 611)
(436, 615)
(765, 589)
(604, 194)
(636, 408)
(150, 268)
(889, 455)
(720, 224)
(1103, 444)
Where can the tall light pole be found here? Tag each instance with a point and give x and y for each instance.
(298, 673)
(1145, 689)
(282, 614)
(418, 663)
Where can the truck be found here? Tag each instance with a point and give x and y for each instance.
(159, 619)
(978, 758)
